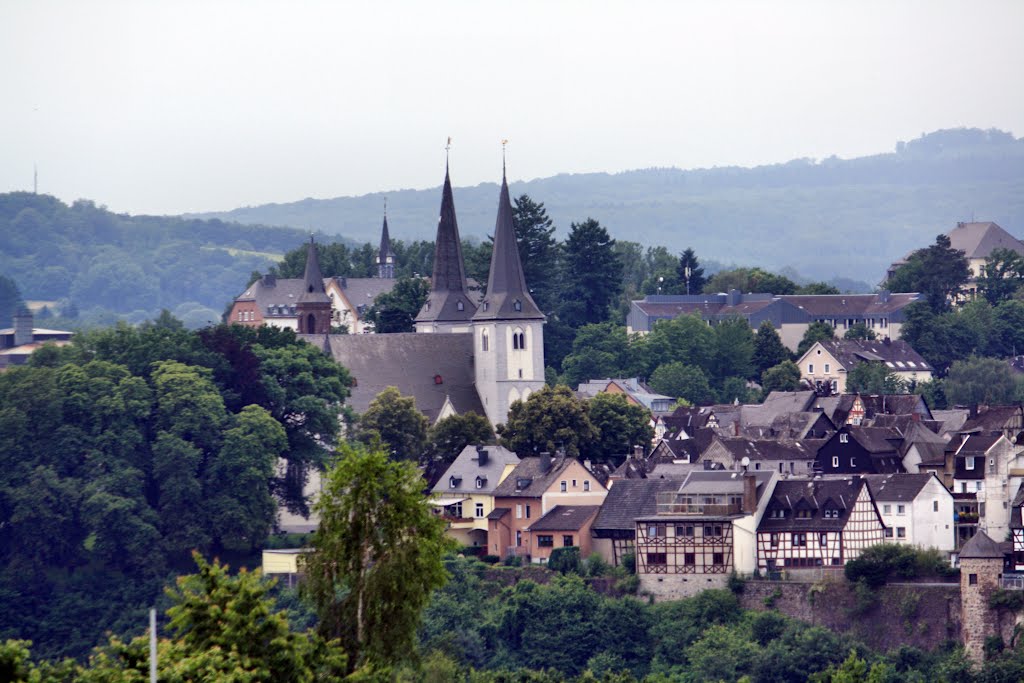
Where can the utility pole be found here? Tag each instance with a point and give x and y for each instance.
(152, 646)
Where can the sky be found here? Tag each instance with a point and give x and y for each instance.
(173, 107)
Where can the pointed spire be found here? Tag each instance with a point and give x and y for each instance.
(507, 295)
(385, 256)
(448, 299)
(313, 279)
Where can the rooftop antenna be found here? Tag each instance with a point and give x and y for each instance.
(447, 147)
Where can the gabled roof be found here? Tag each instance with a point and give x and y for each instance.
(448, 300)
(631, 386)
(778, 404)
(876, 440)
(932, 454)
(629, 499)
(1015, 513)
(978, 240)
(981, 547)
(362, 291)
(974, 444)
(899, 488)
(991, 419)
(565, 518)
(528, 480)
(466, 467)
(507, 296)
(769, 449)
(850, 305)
(839, 493)
(431, 368)
(897, 354)
(952, 420)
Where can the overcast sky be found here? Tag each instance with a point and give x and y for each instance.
(170, 107)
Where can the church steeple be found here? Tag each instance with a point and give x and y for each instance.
(385, 257)
(508, 297)
(313, 306)
(448, 301)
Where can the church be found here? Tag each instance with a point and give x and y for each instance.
(468, 353)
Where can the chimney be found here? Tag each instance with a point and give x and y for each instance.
(269, 280)
(481, 456)
(23, 327)
(887, 341)
(749, 494)
(638, 452)
(734, 297)
(545, 462)
(344, 282)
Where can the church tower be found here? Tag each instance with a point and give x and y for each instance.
(385, 257)
(448, 307)
(508, 328)
(314, 306)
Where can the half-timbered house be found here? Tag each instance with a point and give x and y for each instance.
(817, 523)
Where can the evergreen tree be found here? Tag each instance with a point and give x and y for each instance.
(10, 300)
(769, 350)
(690, 272)
(938, 271)
(592, 274)
(538, 250)
(396, 311)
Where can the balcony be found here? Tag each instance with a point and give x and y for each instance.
(671, 503)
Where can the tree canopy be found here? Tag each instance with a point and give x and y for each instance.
(549, 419)
(937, 271)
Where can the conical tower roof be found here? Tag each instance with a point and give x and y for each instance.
(448, 300)
(313, 280)
(507, 295)
(981, 547)
(385, 243)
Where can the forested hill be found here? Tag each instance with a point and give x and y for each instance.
(830, 217)
(95, 263)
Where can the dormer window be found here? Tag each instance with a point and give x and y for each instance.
(777, 513)
(453, 482)
(518, 305)
(481, 482)
(460, 306)
(969, 462)
(485, 305)
(804, 514)
(831, 513)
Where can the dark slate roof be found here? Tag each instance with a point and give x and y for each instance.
(789, 494)
(975, 444)
(981, 547)
(897, 354)
(565, 518)
(448, 286)
(850, 305)
(952, 420)
(991, 419)
(385, 243)
(977, 240)
(409, 362)
(506, 286)
(901, 488)
(770, 449)
(670, 450)
(362, 291)
(498, 513)
(776, 405)
(466, 468)
(932, 454)
(312, 279)
(629, 499)
(876, 440)
(894, 404)
(528, 481)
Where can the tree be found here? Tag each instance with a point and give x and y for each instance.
(598, 351)
(817, 331)
(734, 350)
(859, 330)
(783, 377)
(547, 420)
(679, 380)
(938, 271)
(686, 339)
(818, 288)
(538, 250)
(447, 438)
(752, 280)
(980, 381)
(592, 274)
(396, 311)
(690, 272)
(1002, 275)
(769, 350)
(395, 421)
(621, 426)
(376, 556)
(874, 378)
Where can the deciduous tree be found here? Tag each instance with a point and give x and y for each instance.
(621, 426)
(547, 420)
(395, 421)
(396, 311)
(874, 378)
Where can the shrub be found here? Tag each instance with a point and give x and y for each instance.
(513, 561)
(490, 559)
(736, 583)
(565, 560)
(595, 565)
(772, 598)
(629, 562)
(881, 563)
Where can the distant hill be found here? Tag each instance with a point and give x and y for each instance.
(846, 217)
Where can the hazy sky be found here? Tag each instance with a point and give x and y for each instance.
(169, 107)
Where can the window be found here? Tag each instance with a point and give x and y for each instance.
(823, 540)
(586, 484)
(567, 540)
(804, 514)
(519, 538)
(972, 579)
(901, 532)
(901, 509)
(977, 485)
(774, 540)
(454, 510)
(777, 513)
(480, 481)
(888, 532)
(574, 483)
(853, 462)
(657, 559)
(686, 531)
(831, 513)
(518, 305)
(827, 368)
(887, 509)
(689, 559)
(545, 541)
(519, 513)
(714, 530)
(718, 558)
(835, 461)
(460, 306)
(799, 540)
(810, 368)
(963, 487)
(562, 487)
(844, 438)
(969, 462)
(652, 531)
(484, 340)
(479, 510)
(935, 506)
(527, 511)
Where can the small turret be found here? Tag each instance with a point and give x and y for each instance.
(385, 256)
(314, 306)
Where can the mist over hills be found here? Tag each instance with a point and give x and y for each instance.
(823, 218)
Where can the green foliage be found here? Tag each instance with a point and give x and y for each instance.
(938, 271)
(448, 437)
(591, 274)
(394, 421)
(750, 280)
(549, 419)
(783, 377)
(396, 311)
(1001, 599)
(769, 350)
(565, 561)
(620, 425)
(683, 381)
(981, 381)
(880, 563)
(1002, 276)
(860, 330)
(690, 273)
(734, 350)
(538, 250)
(817, 331)
(874, 377)
(10, 301)
(818, 288)
(934, 393)
(598, 351)
(377, 556)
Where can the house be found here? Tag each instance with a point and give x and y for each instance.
(982, 465)
(916, 509)
(531, 490)
(817, 523)
(701, 532)
(1005, 420)
(826, 364)
(464, 495)
(1017, 529)
(635, 391)
(614, 529)
(923, 450)
(788, 458)
(21, 341)
(791, 315)
(860, 450)
(564, 526)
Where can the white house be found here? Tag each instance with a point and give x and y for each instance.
(827, 363)
(916, 509)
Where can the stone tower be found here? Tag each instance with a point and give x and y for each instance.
(313, 307)
(508, 328)
(385, 256)
(981, 567)
(448, 307)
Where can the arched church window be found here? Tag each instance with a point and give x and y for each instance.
(310, 324)
(484, 340)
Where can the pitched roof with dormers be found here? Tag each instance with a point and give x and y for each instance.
(565, 518)
(529, 480)
(816, 495)
(507, 296)
(896, 354)
(469, 476)
(897, 487)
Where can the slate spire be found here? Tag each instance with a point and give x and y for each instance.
(312, 279)
(385, 256)
(448, 300)
(508, 297)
